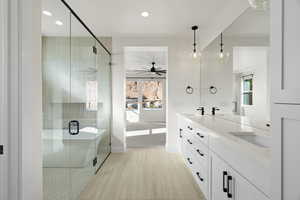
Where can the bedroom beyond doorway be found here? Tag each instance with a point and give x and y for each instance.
(146, 73)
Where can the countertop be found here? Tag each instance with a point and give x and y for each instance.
(252, 161)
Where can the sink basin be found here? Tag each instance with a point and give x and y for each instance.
(261, 141)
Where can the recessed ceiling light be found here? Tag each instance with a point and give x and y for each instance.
(45, 12)
(145, 14)
(59, 23)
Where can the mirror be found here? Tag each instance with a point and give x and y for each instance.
(234, 69)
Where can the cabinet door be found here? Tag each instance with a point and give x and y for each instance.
(218, 178)
(241, 189)
(285, 47)
(285, 149)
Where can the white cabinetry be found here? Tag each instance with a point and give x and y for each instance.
(247, 59)
(285, 48)
(194, 149)
(216, 179)
(228, 184)
(286, 162)
(285, 96)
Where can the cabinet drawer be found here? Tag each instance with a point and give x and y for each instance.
(201, 153)
(201, 136)
(196, 149)
(201, 177)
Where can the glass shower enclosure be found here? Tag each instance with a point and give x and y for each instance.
(76, 102)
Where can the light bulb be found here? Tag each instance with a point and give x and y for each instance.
(195, 55)
(221, 55)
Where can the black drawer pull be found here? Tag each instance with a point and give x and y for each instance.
(229, 194)
(224, 181)
(180, 132)
(189, 141)
(190, 128)
(201, 136)
(189, 160)
(200, 178)
(201, 154)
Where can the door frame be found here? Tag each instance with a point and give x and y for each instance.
(3, 98)
(20, 62)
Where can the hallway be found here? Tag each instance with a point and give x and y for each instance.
(143, 174)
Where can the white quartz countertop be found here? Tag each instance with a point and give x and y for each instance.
(251, 160)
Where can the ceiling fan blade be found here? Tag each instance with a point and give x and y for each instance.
(162, 71)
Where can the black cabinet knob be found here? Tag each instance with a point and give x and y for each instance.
(189, 141)
(189, 160)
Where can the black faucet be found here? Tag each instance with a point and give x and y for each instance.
(213, 110)
(201, 109)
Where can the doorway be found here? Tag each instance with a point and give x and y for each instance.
(146, 99)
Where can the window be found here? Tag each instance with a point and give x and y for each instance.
(132, 95)
(247, 90)
(143, 95)
(91, 95)
(152, 94)
(132, 101)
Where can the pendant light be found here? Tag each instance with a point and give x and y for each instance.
(195, 55)
(222, 57)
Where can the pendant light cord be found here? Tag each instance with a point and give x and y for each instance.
(221, 44)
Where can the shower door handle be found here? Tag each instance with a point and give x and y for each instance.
(1, 149)
(74, 127)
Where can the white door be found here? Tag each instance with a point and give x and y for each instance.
(285, 48)
(3, 99)
(219, 179)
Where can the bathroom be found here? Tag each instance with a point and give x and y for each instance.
(139, 100)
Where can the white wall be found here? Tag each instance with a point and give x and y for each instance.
(24, 100)
(221, 75)
(182, 71)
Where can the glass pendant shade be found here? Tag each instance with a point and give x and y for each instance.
(259, 4)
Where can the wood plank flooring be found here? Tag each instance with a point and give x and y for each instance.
(143, 174)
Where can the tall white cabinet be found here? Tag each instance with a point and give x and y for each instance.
(285, 71)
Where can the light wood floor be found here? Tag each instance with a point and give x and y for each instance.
(143, 174)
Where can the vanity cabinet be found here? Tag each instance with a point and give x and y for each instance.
(228, 184)
(194, 149)
(216, 178)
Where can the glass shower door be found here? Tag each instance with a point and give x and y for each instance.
(104, 102)
(56, 90)
(83, 107)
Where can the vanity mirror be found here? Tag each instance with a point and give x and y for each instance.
(242, 81)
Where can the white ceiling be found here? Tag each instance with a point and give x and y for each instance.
(140, 58)
(251, 23)
(123, 17)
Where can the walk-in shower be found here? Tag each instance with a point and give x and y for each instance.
(76, 102)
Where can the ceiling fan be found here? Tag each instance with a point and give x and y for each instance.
(157, 70)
